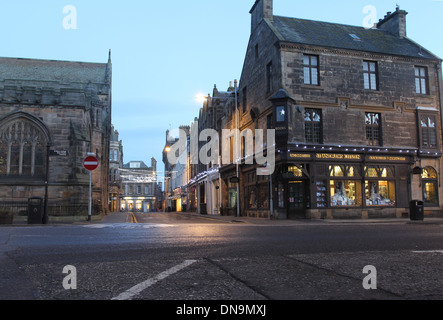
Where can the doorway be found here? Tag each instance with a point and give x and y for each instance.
(296, 199)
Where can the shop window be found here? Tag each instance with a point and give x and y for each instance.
(430, 186)
(252, 198)
(379, 172)
(313, 125)
(344, 171)
(380, 193)
(296, 171)
(337, 171)
(345, 193)
(264, 196)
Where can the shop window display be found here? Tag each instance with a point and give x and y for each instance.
(345, 193)
(380, 193)
(430, 186)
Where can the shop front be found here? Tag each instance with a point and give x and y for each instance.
(336, 185)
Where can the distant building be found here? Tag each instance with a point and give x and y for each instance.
(176, 194)
(141, 190)
(115, 166)
(52, 113)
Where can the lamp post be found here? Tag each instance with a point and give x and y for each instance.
(45, 210)
(237, 142)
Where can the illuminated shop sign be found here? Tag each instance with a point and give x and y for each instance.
(334, 156)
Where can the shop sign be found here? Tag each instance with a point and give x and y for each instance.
(335, 156)
(387, 158)
(299, 156)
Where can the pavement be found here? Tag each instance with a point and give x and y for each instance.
(123, 217)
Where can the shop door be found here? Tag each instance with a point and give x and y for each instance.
(296, 203)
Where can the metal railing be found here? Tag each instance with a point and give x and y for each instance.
(55, 209)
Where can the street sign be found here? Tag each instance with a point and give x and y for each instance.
(90, 163)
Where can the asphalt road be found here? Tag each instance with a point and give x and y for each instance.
(190, 258)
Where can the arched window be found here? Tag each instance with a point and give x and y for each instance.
(430, 186)
(22, 149)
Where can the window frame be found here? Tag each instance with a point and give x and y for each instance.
(370, 73)
(269, 77)
(311, 128)
(425, 132)
(312, 69)
(374, 130)
(425, 180)
(420, 79)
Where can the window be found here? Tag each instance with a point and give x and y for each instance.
(344, 190)
(370, 75)
(428, 131)
(430, 186)
(252, 197)
(313, 126)
(311, 71)
(281, 114)
(269, 124)
(269, 78)
(373, 129)
(421, 80)
(22, 150)
(245, 98)
(380, 186)
(264, 196)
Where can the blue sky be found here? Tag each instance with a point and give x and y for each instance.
(166, 52)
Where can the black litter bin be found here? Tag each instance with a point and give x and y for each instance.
(203, 208)
(417, 210)
(35, 210)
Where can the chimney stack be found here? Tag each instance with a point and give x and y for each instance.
(262, 9)
(394, 22)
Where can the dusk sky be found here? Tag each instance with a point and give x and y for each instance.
(164, 53)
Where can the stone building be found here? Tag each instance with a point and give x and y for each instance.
(115, 167)
(141, 191)
(357, 116)
(209, 194)
(52, 113)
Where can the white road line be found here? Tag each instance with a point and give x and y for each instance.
(429, 251)
(129, 294)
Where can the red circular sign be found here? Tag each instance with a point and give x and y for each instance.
(90, 163)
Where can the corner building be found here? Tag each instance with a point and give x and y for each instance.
(357, 114)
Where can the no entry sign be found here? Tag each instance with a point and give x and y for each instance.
(90, 163)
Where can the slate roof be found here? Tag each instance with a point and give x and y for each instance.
(49, 70)
(325, 34)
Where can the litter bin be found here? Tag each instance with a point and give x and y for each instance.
(35, 210)
(417, 210)
(203, 208)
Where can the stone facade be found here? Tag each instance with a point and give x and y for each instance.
(355, 111)
(115, 167)
(52, 113)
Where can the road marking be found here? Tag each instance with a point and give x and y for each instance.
(128, 226)
(429, 251)
(136, 290)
